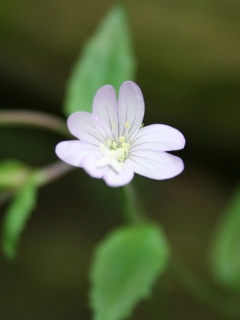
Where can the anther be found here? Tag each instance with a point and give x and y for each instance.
(121, 139)
(114, 145)
(127, 124)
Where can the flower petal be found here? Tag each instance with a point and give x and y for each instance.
(90, 164)
(131, 109)
(105, 107)
(155, 165)
(114, 179)
(73, 152)
(87, 127)
(158, 137)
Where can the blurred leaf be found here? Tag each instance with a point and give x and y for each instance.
(226, 246)
(12, 174)
(17, 215)
(107, 59)
(125, 268)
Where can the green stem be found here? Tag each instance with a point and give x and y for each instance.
(33, 119)
(43, 121)
(42, 177)
(132, 207)
(199, 289)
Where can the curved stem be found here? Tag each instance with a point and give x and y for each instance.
(52, 172)
(199, 289)
(43, 121)
(42, 177)
(33, 119)
(132, 206)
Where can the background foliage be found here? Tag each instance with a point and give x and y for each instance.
(188, 67)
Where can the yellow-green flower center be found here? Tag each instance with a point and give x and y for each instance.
(114, 153)
(117, 150)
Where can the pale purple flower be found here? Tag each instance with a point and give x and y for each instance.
(112, 143)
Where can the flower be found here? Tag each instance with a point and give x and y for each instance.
(113, 144)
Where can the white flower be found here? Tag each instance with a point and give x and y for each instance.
(113, 145)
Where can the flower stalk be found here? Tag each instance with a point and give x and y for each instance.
(33, 119)
(52, 172)
(132, 207)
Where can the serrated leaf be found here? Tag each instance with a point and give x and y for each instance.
(226, 247)
(125, 268)
(106, 59)
(17, 215)
(12, 174)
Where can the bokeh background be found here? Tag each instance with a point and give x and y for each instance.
(188, 55)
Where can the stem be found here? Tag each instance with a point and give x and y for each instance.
(199, 289)
(52, 172)
(42, 177)
(132, 207)
(43, 121)
(33, 119)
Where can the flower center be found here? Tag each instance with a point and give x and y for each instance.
(118, 150)
(115, 153)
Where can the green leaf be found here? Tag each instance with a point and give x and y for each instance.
(106, 59)
(12, 174)
(126, 265)
(17, 215)
(226, 247)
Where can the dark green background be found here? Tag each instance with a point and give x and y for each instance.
(188, 55)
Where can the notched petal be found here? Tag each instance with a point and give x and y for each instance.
(156, 165)
(87, 127)
(106, 108)
(131, 109)
(158, 137)
(72, 152)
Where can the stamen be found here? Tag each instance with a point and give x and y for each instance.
(114, 152)
(122, 158)
(121, 139)
(114, 145)
(127, 124)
